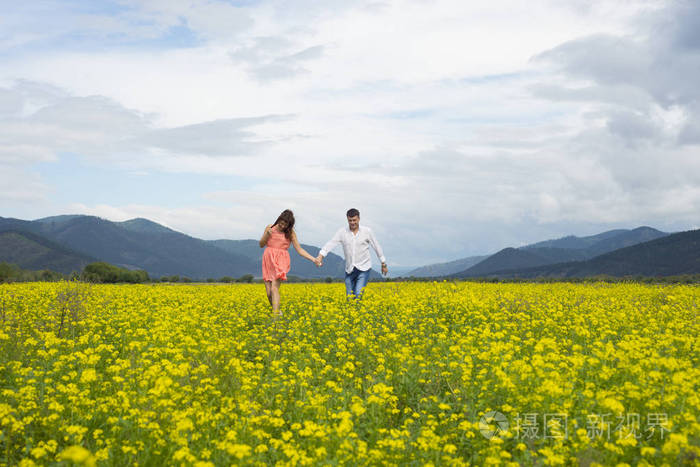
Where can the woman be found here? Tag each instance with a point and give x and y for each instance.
(275, 260)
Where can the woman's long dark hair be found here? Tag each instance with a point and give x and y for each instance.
(287, 216)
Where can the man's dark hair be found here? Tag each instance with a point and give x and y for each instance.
(352, 212)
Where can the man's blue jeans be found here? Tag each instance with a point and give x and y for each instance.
(355, 281)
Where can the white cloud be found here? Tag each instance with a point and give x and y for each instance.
(433, 118)
(20, 187)
(99, 128)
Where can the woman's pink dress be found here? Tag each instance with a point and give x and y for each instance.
(275, 260)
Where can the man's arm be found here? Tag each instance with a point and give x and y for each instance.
(332, 243)
(378, 250)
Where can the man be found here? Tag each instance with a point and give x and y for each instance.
(356, 241)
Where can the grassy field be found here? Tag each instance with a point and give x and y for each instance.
(418, 373)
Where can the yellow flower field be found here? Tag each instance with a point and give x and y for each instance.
(422, 373)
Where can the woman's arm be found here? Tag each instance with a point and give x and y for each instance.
(266, 236)
(302, 252)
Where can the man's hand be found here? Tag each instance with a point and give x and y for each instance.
(319, 261)
(385, 270)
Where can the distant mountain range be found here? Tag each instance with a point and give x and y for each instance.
(570, 248)
(673, 254)
(595, 245)
(67, 243)
(445, 269)
(561, 251)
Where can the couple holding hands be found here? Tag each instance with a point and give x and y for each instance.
(355, 240)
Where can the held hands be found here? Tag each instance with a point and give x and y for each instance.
(385, 270)
(318, 261)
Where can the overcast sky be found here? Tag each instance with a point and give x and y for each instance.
(457, 128)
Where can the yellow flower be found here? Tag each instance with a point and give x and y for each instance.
(38, 452)
(79, 455)
(648, 451)
(184, 425)
(88, 376)
(196, 372)
(357, 408)
(239, 451)
(613, 404)
(260, 448)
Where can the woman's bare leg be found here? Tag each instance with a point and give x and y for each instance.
(276, 296)
(268, 291)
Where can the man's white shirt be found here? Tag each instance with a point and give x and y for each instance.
(355, 247)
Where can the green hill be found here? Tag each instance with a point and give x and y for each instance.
(574, 242)
(623, 239)
(509, 258)
(140, 224)
(674, 254)
(562, 250)
(31, 251)
(137, 245)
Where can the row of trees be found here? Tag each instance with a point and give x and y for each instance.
(94, 272)
(100, 273)
(106, 273)
(12, 273)
(680, 279)
(249, 279)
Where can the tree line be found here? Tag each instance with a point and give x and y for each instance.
(105, 273)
